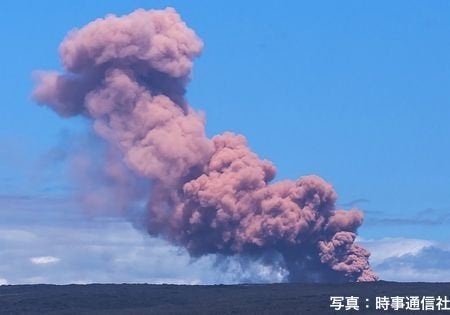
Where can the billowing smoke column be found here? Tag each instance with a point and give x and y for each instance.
(212, 196)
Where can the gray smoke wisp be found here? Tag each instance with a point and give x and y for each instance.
(127, 75)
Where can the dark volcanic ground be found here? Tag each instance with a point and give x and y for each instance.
(136, 299)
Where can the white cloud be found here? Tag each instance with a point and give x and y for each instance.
(16, 236)
(3, 281)
(44, 260)
(103, 250)
(409, 260)
(115, 252)
(385, 248)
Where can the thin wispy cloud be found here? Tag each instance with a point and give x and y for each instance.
(44, 260)
(428, 217)
(354, 203)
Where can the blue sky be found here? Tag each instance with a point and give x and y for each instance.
(356, 92)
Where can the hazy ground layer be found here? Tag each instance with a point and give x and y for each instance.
(218, 299)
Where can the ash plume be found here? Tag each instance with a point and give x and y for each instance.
(212, 196)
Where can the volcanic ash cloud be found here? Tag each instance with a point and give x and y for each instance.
(127, 75)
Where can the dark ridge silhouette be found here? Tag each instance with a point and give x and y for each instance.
(286, 298)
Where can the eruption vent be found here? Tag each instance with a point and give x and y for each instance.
(213, 196)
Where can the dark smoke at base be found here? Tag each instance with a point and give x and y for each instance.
(212, 196)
